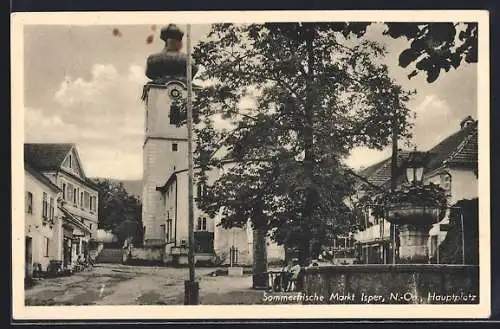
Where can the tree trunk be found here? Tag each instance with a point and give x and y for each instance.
(260, 258)
(306, 246)
(260, 249)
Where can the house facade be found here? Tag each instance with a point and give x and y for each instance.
(43, 221)
(452, 164)
(78, 208)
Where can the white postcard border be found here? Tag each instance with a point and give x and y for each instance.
(22, 312)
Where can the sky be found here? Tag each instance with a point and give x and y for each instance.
(82, 84)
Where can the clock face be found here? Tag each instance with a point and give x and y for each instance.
(175, 91)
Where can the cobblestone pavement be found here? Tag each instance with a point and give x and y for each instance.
(114, 284)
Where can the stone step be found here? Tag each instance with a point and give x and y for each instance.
(113, 256)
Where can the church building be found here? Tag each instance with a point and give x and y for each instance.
(165, 176)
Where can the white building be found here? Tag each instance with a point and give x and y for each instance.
(165, 176)
(61, 164)
(452, 165)
(43, 223)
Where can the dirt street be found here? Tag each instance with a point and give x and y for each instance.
(110, 284)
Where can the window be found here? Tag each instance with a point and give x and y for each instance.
(64, 190)
(44, 206)
(167, 232)
(90, 226)
(75, 195)
(93, 203)
(201, 224)
(86, 200)
(70, 192)
(46, 246)
(201, 190)
(70, 161)
(52, 209)
(170, 229)
(175, 147)
(29, 202)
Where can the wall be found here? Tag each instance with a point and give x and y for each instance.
(38, 231)
(399, 284)
(157, 169)
(463, 186)
(224, 239)
(159, 160)
(149, 254)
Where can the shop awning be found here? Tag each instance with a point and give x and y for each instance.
(79, 226)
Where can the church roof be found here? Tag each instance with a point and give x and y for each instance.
(458, 149)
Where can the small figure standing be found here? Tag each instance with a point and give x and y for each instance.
(295, 271)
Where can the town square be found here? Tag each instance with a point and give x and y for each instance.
(252, 164)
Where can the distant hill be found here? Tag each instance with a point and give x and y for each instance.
(133, 187)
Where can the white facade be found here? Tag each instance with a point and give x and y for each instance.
(78, 206)
(43, 229)
(460, 184)
(164, 152)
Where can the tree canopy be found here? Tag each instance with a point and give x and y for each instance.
(437, 46)
(119, 212)
(316, 97)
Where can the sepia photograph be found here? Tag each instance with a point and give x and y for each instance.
(251, 160)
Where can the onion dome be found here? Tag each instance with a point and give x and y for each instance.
(170, 62)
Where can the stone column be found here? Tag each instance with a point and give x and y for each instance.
(413, 243)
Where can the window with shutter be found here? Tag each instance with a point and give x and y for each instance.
(44, 206)
(29, 202)
(51, 209)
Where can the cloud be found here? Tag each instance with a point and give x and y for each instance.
(40, 126)
(434, 118)
(103, 115)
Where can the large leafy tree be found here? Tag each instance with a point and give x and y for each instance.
(317, 96)
(119, 212)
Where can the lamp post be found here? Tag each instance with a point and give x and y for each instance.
(415, 167)
(191, 286)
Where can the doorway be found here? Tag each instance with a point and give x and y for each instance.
(28, 257)
(67, 252)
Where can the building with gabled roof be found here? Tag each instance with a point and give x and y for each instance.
(60, 164)
(452, 164)
(42, 221)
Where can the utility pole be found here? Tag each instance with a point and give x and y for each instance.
(394, 166)
(191, 286)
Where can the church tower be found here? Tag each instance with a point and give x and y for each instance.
(165, 141)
